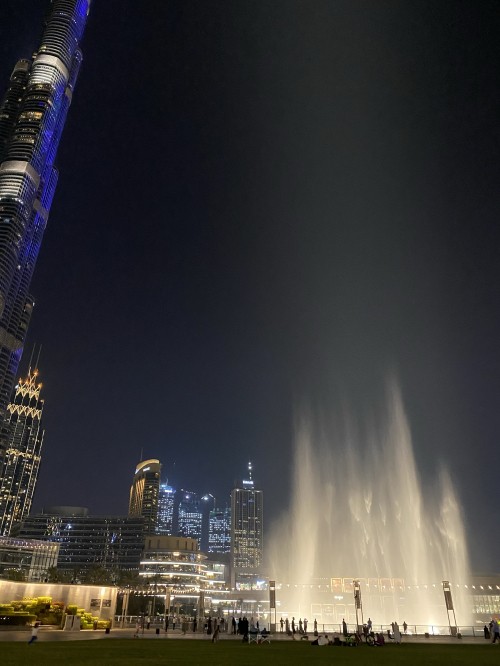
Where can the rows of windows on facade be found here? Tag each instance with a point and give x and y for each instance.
(233, 528)
(163, 523)
(33, 113)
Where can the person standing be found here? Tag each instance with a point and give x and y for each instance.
(315, 625)
(293, 626)
(281, 625)
(405, 626)
(137, 628)
(233, 624)
(34, 633)
(369, 625)
(344, 627)
(305, 625)
(495, 631)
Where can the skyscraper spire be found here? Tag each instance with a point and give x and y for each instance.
(32, 117)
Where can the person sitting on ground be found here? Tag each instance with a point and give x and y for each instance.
(321, 640)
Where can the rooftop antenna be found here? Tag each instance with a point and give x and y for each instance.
(31, 358)
(142, 453)
(249, 470)
(38, 357)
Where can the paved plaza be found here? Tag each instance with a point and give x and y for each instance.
(48, 634)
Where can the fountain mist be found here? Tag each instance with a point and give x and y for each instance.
(359, 511)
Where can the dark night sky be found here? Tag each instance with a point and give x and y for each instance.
(262, 203)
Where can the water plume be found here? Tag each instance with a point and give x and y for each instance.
(360, 511)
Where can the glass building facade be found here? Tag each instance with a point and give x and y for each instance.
(112, 542)
(28, 559)
(166, 502)
(19, 472)
(190, 521)
(219, 531)
(32, 116)
(246, 527)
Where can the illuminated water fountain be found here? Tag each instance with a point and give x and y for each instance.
(360, 511)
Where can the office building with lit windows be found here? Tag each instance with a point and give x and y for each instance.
(32, 117)
(190, 520)
(246, 528)
(166, 499)
(19, 471)
(144, 493)
(219, 531)
(114, 543)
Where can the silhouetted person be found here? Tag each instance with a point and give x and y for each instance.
(233, 624)
(344, 627)
(281, 625)
(496, 631)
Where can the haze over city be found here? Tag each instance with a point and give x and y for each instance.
(262, 209)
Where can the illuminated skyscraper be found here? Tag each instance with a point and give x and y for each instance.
(144, 493)
(166, 510)
(190, 520)
(19, 471)
(246, 527)
(32, 117)
(219, 531)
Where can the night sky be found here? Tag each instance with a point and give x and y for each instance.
(263, 204)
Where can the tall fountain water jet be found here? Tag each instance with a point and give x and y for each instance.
(360, 511)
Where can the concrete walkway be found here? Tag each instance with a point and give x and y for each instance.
(50, 634)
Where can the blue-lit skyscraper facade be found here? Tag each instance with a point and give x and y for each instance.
(32, 117)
